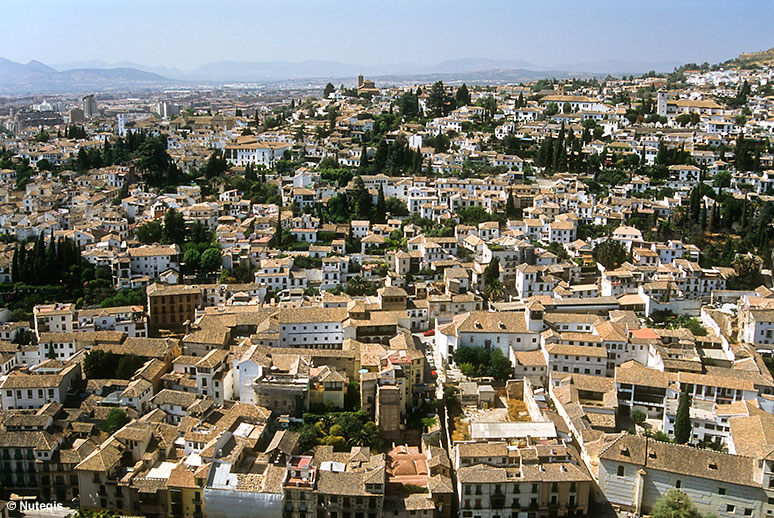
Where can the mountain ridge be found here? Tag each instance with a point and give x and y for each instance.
(37, 77)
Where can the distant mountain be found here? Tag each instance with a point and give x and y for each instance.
(37, 66)
(171, 73)
(279, 70)
(98, 75)
(36, 77)
(473, 64)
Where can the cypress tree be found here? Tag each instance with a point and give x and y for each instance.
(38, 259)
(363, 158)
(23, 266)
(60, 251)
(510, 206)
(15, 265)
(416, 162)
(278, 239)
(683, 419)
(52, 267)
(492, 272)
(380, 212)
(560, 153)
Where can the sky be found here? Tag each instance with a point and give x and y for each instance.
(188, 33)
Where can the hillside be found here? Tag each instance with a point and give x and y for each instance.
(752, 59)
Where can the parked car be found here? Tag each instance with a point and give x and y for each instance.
(429, 332)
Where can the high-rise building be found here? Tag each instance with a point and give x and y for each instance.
(123, 118)
(167, 110)
(76, 115)
(89, 106)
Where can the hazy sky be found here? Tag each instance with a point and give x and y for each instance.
(187, 33)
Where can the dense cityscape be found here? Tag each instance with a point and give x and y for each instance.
(544, 298)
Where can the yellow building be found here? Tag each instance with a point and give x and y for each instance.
(327, 387)
(185, 491)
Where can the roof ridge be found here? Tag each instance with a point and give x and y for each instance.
(614, 441)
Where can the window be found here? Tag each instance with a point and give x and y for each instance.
(620, 471)
(678, 484)
(729, 508)
(721, 491)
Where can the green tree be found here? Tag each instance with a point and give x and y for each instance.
(216, 165)
(380, 211)
(99, 364)
(128, 365)
(499, 366)
(748, 272)
(152, 159)
(44, 165)
(676, 504)
(210, 260)
(174, 227)
(438, 101)
(683, 419)
(200, 233)
(409, 105)
(307, 439)
(494, 291)
(492, 272)
(361, 200)
(510, 207)
(358, 286)
(191, 259)
(638, 416)
(328, 90)
(490, 106)
(462, 96)
(722, 179)
(610, 253)
(396, 207)
(474, 215)
(363, 165)
(551, 109)
(115, 419)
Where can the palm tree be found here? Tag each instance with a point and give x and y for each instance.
(494, 291)
(357, 285)
(360, 438)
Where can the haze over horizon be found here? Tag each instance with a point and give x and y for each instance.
(419, 33)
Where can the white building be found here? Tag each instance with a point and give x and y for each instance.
(502, 330)
(43, 385)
